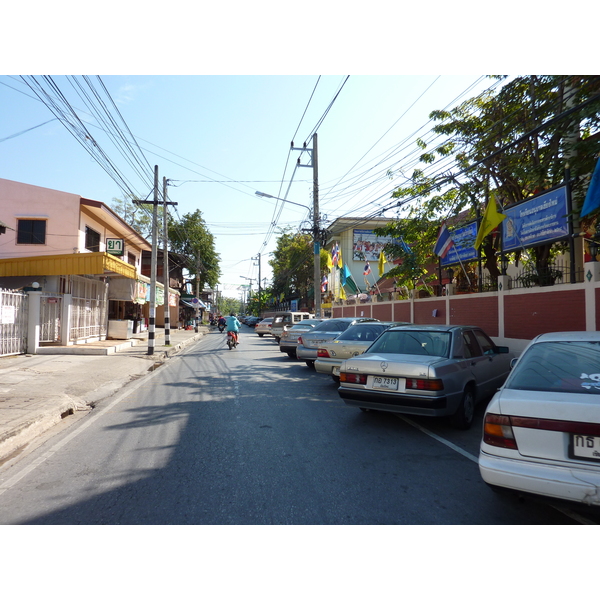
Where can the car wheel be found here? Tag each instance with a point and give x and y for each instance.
(335, 378)
(291, 354)
(260, 334)
(463, 417)
(310, 364)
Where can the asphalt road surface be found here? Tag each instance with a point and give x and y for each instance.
(249, 436)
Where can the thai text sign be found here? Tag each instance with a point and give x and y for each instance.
(537, 221)
(463, 249)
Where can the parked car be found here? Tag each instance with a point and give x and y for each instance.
(289, 338)
(251, 321)
(352, 342)
(264, 327)
(287, 319)
(430, 370)
(541, 431)
(310, 342)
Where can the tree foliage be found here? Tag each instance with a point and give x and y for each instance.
(191, 238)
(135, 215)
(502, 146)
(293, 265)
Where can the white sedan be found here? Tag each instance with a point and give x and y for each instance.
(542, 428)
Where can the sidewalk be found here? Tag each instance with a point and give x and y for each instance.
(37, 391)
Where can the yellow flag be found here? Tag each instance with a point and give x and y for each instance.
(340, 263)
(382, 262)
(329, 263)
(491, 220)
(342, 293)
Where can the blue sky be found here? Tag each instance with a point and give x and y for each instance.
(221, 138)
(236, 93)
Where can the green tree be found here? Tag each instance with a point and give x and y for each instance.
(504, 146)
(191, 238)
(229, 305)
(137, 216)
(293, 266)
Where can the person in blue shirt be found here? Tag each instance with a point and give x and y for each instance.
(233, 325)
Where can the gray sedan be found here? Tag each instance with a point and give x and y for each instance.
(309, 343)
(430, 370)
(288, 342)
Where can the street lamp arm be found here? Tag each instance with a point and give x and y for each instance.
(263, 195)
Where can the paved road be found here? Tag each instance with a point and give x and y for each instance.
(250, 437)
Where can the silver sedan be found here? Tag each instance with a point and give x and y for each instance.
(430, 370)
(288, 342)
(352, 342)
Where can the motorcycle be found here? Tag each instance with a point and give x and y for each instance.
(221, 328)
(231, 340)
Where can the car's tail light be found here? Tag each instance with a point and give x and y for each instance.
(300, 341)
(322, 353)
(353, 378)
(429, 385)
(498, 431)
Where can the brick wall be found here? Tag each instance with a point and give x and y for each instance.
(475, 310)
(527, 315)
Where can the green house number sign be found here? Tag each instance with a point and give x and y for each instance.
(115, 246)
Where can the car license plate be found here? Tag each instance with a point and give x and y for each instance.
(586, 447)
(385, 383)
(335, 371)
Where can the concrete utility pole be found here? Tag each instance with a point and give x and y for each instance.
(152, 320)
(259, 296)
(166, 272)
(316, 231)
(154, 261)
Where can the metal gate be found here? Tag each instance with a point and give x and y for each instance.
(90, 312)
(13, 322)
(50, 311)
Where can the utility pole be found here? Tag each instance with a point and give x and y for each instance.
(166, 272)
(316, 231)
(154, 262)
(259, 295)
(152, 319)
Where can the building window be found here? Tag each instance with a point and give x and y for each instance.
(131, 258)
(92, 240)
(31, 231)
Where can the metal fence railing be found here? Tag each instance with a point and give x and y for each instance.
(14, 307)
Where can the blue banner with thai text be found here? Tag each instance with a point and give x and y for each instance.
(537, 221)
(462, 250)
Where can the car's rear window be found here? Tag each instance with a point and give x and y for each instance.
(558, 367)
(425, 343)
(332, 325)
(363, 333)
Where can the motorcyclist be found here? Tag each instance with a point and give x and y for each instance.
(222, 323)
(233, 325)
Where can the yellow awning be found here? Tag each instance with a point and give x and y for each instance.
(85, 263)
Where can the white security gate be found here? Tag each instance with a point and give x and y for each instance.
(90, 308)
(50, 311)
(13, 322)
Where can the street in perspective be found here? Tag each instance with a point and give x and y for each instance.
(251, 436)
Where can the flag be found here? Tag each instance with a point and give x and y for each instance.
(324, 283)
(367, 269)
(340, 264)
(405, 247)
(342, 293)
(444, 242)
(592, 197)
(329, 262)
(335, 254)
(382, 262)
(491, 220)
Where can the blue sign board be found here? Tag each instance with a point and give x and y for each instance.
(537, 221)
(462, 250)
